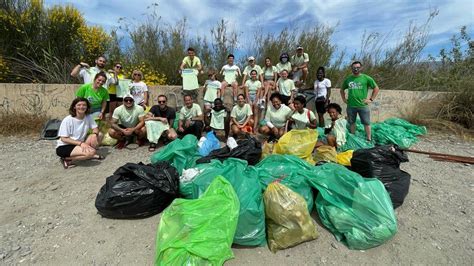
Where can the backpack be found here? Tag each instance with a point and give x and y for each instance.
(51, 129)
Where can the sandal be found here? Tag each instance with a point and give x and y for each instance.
(152, 147)
(98, 157)
(66, 163)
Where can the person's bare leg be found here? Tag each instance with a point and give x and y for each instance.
(353, 128)
(331, 141)
(305, 74)
(321, 120)
(368, 132)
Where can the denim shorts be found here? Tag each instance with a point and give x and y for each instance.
(364, 114)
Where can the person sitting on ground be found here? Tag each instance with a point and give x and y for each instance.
(286, 88)
(276, 117)
(251, 66)
(88, 73)
(96, 94)
(139, 89)
(218, 119)
(74, 144)
(231, 72)
(335, 130)
(284, 63)
(190, 118)
(166, 115)
(322, 92)
(270, 77)
(212, 90)
(302, 118)
(128, 122)
(300, 63)
(241, 117)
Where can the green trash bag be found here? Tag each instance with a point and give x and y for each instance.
(292, 170)
(200, 231)
(396, 131)
(355, 142)
(181, 153)
(358, 211)
(244, 179)
(411, 128)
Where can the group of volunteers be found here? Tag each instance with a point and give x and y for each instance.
(265, 100)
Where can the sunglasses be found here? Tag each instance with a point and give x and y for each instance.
(128, 100)
(356, 68)
(161, 101)
(120, 67)
(137, 74)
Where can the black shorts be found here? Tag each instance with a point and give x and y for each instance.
(65, 150)
(285, 99)
(114, 98)
(320, 106)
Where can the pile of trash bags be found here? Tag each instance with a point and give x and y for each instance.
(250, 195)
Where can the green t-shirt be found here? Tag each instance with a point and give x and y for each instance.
(302, 120)
(128, 117)
(278, 117)
(188, 113)
(95, 97)
(253, 85)
(241, 113)
(218, 119)
(286, 86)
(358, 89)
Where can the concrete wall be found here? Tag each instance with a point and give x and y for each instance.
(53, 100)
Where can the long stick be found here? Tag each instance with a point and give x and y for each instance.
(441, 156)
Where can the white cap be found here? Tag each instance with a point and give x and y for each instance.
(299, 47)
(128, 95)
(251, 58)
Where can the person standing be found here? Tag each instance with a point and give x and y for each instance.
(358, 85)
(251, 66)
(322, 92)
(190, 67)
(114, 100)
(88, 73)
(96, 94)
(139, 89)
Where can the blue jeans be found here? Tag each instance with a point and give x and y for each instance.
(364, 114)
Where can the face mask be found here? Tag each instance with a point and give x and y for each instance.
(284, 60)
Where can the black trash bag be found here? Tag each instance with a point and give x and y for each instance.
(248, 149)
(138, 190)
(383, 163)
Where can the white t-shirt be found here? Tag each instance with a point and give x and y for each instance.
(212, 86)
(88, 74)
(128, 117)
(241, 113)
(321, 87)
(253, 86)
(297, 61)
(218, 119)
(286, 86)
(301, 120)
(278, 117)
(249, 69)
(268, 72)
(75, 129)
(137, 90)
(230, 72)
(186, 113)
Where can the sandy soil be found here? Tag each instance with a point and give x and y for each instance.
(48, 214)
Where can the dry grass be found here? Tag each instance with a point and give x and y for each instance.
(21, 124)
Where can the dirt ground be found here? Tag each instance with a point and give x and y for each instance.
(48, 214)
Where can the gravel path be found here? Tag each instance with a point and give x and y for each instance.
(48, 214)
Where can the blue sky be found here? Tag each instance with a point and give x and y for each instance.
(352, 17)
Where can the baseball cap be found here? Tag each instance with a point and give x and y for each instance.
(128, 95)
(251, 58)
(299, 47)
